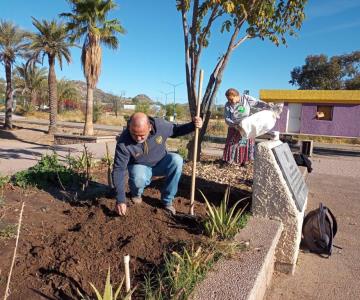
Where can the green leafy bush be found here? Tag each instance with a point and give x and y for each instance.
(4, 180)
(224, 222)
(183, 152)
(180, 273)
(48, 171)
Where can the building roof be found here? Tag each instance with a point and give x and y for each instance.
(311, 96)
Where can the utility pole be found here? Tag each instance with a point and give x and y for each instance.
(174, 86)
(165, 94)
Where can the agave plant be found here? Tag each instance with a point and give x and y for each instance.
(222, 221)
(108, 291)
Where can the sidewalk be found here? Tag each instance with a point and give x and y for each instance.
(335, 182)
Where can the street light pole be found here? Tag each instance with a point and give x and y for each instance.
(174, 86)
(165, 94)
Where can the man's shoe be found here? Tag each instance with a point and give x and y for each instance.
(136, 200)
(170, 208)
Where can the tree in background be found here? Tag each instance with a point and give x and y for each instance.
(29, 78)
(89, 20)
(181, 111)
(142, 107)
(263, 19)
(51, 41)
(322, 73)
(12, 45)
(67, 93)
(116, 101)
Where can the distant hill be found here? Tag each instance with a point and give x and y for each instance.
(99, 95)
(104, 97)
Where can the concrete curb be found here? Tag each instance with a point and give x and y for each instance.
(249, 272)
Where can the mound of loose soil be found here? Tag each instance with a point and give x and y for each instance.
(65, 245)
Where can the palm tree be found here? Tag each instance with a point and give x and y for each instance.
(12, 44)
(29, 79)
(51, 40)
(88, 20)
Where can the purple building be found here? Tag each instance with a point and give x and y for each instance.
(331, 113)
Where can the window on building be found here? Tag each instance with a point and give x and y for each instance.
(324, 112)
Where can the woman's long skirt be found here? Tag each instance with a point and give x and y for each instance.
(238, 150)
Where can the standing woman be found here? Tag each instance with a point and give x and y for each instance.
(238, 149)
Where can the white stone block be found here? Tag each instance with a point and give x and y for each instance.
(273, 199)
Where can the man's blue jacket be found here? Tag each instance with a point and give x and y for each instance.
(149, 153)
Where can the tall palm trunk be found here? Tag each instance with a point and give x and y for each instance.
(89, 128)
(8, 98)
(33, 95)
(52, 95)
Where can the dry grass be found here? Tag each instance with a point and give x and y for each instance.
(328, 139)
(37, 115)
(111, 120)
(217, 127)
(72, 116)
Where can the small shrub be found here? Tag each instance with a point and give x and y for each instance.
(47, 171)
(4, 180)
(97, 112)
(108, 160)
(223, 222)
(183, 152)
(217, 128)
(7, 231)
(180, 274)
(81, 166)
(108, 291)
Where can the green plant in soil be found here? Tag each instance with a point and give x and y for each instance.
(7, 231)
(179, 274)
(223, 222)
(48, 171)
(82, 166)
(108, 160)
(4, 180)
(183, 152)
(108, 293)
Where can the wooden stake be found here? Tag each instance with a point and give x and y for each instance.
(14, 256)
(196, 138)
(127, 274)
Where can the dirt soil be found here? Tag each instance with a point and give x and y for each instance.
(66, 244)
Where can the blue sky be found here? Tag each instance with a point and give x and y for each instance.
(152, 51)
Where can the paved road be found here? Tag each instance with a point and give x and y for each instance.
(319, 148)
(335, 181)
(22, 120)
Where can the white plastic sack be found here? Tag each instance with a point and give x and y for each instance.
(257, 124)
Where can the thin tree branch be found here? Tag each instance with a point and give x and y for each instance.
(193, 50)
(14, 255)
(243, 39)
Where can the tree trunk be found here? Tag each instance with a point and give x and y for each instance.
(8, 97)
(33, 97)
(52, 95)
(89, 127)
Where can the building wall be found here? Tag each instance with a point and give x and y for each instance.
(281, 123)
(345, 122)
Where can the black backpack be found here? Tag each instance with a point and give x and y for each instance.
(303, 160)
(319, 229)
